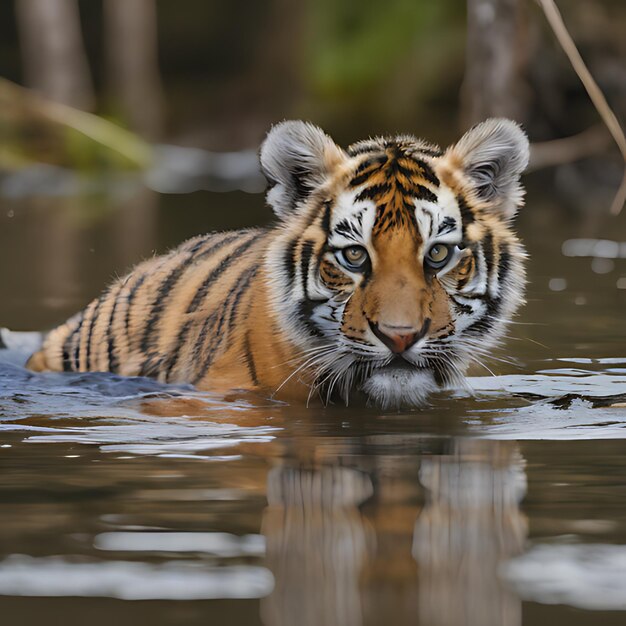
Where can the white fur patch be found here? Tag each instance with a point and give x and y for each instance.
(396, 387)
(430, 216)
(346, 208)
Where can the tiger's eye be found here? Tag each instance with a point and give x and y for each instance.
(353, 257)
(437, 256)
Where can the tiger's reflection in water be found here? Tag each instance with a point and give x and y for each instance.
(317, 545)
(405, 538)
(470, 522)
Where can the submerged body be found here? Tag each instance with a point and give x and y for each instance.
(392, 265)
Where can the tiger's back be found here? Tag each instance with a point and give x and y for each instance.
(173, 317)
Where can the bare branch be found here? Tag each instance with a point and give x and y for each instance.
(595, 93)
(594, 140)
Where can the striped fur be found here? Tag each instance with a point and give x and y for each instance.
(276, 310)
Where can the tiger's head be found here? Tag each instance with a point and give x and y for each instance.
(395, 264)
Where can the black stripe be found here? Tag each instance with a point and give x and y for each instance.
(216, 272)
(405, 191)
(427, 172)
(243, 284)
(484, 323)
(326, 217)
(76, 347)
(467, 215)
(307, 305)
(431, 218)
(462, 307)
(367, 169)
(487, 247)
(305, 259)
(405, 171)
(504, 264)
(474, 296)
(217, 315)
(250, 360)
(112, 357)
(67, 359)
(423, 193)
(169, 283)
(289, 260)
(305, 311)
(129, 299)
(92, 323)
(165, 289)
(384, 219)
(372, 192)
(447, 225)
(152, 364)
(225, 321)
(201, 293)
(361, 178)
(300, 182)
(175, 353)
(409, 209)
(378, 160)
(67, 349)
(347, 229)
(113, 360)
(449, 333)
(415, 190)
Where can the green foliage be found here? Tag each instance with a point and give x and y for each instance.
(355, 43)
(33, 130)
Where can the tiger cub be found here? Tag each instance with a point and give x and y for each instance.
(392, 265)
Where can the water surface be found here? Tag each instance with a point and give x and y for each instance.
(127, 501)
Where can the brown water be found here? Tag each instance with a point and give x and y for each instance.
(124, 501)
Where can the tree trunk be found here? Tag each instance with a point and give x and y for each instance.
(131, 41)
(55, 63)
(495, 56)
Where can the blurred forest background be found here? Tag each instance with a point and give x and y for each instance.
(216, 74)
(111, 104)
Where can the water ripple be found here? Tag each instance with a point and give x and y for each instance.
(22, 575)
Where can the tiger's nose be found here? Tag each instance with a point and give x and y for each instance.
(399, 338)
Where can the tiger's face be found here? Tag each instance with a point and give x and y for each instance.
(395, 264)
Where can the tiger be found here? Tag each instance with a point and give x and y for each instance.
(390, 267)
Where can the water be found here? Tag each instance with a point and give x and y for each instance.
(129, 501)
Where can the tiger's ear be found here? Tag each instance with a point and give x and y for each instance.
(296, 157)
(493, 154)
